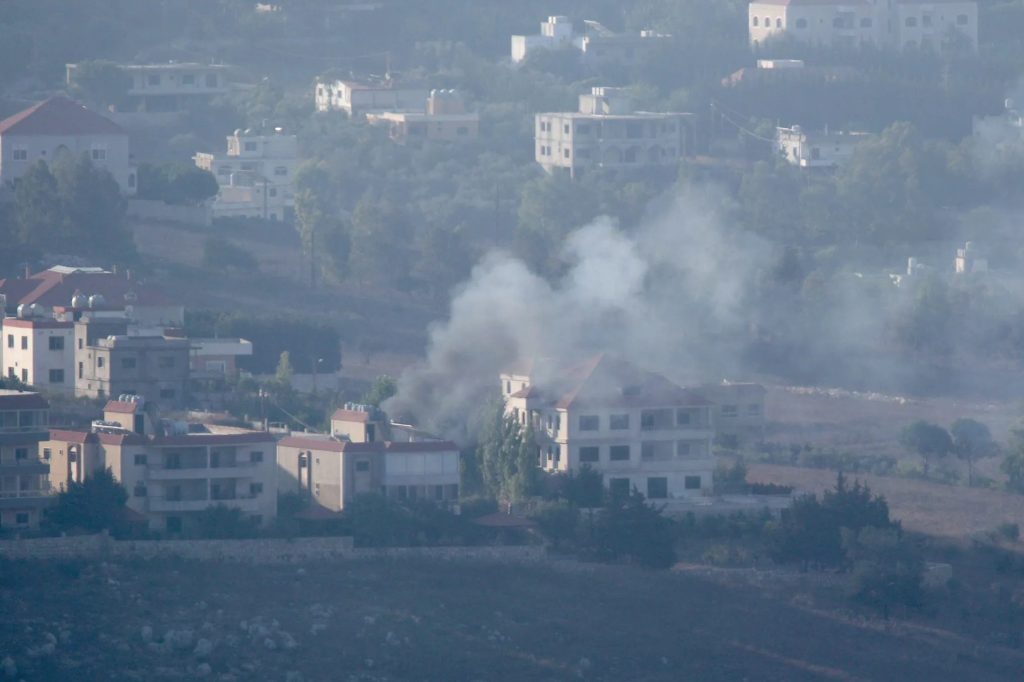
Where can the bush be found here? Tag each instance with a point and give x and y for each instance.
(887, 569)
(94, 505)
(221, 522)
(176, 183)
(219, 253)
(731, 479)
(630, 528)
(770, 489)
(559, 522)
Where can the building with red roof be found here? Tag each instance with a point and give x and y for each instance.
(60, 126)
(636, 428)
(897, 24)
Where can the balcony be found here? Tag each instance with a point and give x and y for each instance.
(164, 504)
(24, 466)
(238, 470)
(19, 499)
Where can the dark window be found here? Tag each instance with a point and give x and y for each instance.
(20, 454)
(590, 453)
(24, 375)
(865, 22)
(249, 147)
(692, 482)
(438, 492)
(21, 155)
(140, 460)
(56, 376)
(646, 420)
(363, 465)
(255, 489)
(167, 393)
(173, 524)
(730, 410)
(211, 80)
(801, 23)
(756, 21)
(618, 487)
(81, 369)
(10, 340)
(926, 20)
(256, 456)
(683, 418)
(167, 361)
(618, 453)
(56, 343)
(128, 363)
(590, 422)
(188, 79)
(618, 422)
(99, 362)
(140, 490)
(911, 22)
(153, 79)
(21, 518)
(778, 23)
(47, 453)
(657, 488)
(24, 343)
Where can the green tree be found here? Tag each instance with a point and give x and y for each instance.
(284, 373)
(930, 441)
(972, 441)
(1013, 463)
(508, 455)
(629, 527)
(317, 219)
(383, 387)
(96, 504)
(549, 209)
(176, 183)
(887, 569)
(101, 83)
(38, 213)
(381, 238)
(93, 209)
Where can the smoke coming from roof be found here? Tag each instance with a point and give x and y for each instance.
(654, 295)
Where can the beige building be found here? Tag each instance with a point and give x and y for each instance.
(59, 127)
(445, 119)
(637, 429)
(24, 466)
(156, 367)
(607, 133)
(39, 351)
(816, 149)
(256, 176)
(171, 472)
(594, 43)
(358, 99)
(169, 87)
(363, 455)
(899, 24)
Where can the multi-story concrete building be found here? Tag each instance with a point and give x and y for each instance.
(807, 149)
(607, 133)
(363, 455)
(156, 366)
(358, 99)
(595, 44)
(60, 127)
(169, 87)
(897, 24)
(171, 472)
(39, 350)
(637, 429)
(24, 466)
(256, 175)
(737, 412)
(445, 119)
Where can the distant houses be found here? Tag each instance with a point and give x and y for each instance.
(594, 43)
(816, 149)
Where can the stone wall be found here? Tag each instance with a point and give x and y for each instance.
(256, 551)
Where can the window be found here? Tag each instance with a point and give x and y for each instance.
(99, 362)
(140, 460)
(618, 453)
(81, 369)
(363, 465)
(618, 487)
(20, 454)
(683, 448)
(47, 454)
(646, 420)
(188, 79)
(692, 483)
(684, 418)
(462, 131)
(99, 154)
(756, 21)
(565, 153)
(211, 80)
(582, 128)
(273, 191)
(24, 343)
(280, 170)
(589, 422)
(140, 490)
(865, 22)
(961, 20)
(730, 410)
(754, 410)
(591, 453)
(10, 340)
(21, 518)
(24, 375)
(657, 488)
(250, 147)
(566, 128)
(619, 422)
(167, 393)
(20, 154)
(128, 363)
(926, 20)
(153, 79)
(166, 361)
(910, 22)
(173, 524)
(801, 23)
(255, 457)
(56, 376)
(255, 489)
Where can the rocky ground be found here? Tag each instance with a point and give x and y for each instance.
(423, 620)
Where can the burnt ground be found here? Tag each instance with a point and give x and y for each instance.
(424, 620)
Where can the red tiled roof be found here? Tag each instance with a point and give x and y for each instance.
(59, 116)
(51, 288)
(121, 407)
(80, 437)
(23, 400)
(322, 444)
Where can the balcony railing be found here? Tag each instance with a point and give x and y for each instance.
(12, 494)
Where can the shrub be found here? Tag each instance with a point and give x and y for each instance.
(223, 522)
(96, 504)
(731, 479)
(559, 522)
(887, 569)
(630, 528)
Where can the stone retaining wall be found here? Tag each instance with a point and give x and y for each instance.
(255, 551)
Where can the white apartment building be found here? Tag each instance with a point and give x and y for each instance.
(171, 472)
(594, 44)
(364, 454)
(39, 350)
(806, 149)
(358, 99)
(24, 466)
(59, 127)
(607, 133)
(897, 24)
(637, 429)
(169, 87)
(256, 175)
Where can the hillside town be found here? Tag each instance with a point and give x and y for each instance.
(705, 299)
